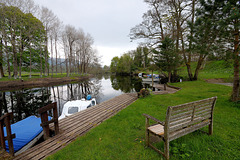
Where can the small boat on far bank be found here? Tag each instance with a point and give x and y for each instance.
(72, 107)
(148, 77)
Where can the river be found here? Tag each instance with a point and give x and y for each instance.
(26, 102)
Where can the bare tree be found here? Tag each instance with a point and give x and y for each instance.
(47, 17)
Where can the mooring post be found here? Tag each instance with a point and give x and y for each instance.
(5, 119)
(45, 122)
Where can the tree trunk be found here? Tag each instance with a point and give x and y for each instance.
(46, 55)
(41, 56)
(20, 59)
(169, 77)
(1, 59)
(30, 57)
(15, 66)
(199, 64)
(235, 92)
(56, 55)
(52, 55)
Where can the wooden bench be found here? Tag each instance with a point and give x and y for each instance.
(181, 120)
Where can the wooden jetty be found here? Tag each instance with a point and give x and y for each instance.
(80, 123)
(4, 154)
(77, 125)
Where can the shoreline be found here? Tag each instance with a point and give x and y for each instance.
(39, 82)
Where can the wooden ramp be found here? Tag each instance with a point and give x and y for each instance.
(77, 125)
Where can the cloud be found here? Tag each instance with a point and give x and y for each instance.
(108, 21)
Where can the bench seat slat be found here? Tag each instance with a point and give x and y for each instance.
(157, 129)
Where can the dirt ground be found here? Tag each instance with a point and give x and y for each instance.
(40, 82)
(218, 81)
(215, 80)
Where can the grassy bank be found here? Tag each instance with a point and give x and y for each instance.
(210, 70)
(122, 136)
(25, 76)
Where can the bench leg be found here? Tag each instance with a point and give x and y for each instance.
(147, 138)
(147, 132)
(166, 149)
(210, 128)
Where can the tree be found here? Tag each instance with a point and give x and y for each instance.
(47, 17)
(114, 64)
(225, 16)
(166, 57)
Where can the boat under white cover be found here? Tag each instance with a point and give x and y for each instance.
(75, 106)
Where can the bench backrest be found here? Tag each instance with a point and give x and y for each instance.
(186, 118)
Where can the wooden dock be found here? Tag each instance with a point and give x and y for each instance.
(77, 125)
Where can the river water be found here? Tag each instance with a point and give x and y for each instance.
(26, 102)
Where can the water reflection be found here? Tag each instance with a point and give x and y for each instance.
(126, 83)
(26, 102)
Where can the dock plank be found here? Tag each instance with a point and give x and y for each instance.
(77, 125)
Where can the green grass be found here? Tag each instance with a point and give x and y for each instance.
(122, 136)
(212, 69)
(25, 76)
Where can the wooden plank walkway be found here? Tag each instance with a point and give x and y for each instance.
(77, 125)
(4, 154)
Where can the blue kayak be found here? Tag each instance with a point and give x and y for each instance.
(26, 131)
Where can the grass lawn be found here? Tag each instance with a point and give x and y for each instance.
(122, 136)
(25, 76)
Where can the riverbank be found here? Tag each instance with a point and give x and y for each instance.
(39, 82)
(123, 136)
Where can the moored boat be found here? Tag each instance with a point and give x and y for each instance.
(28, 131)
(75, 106)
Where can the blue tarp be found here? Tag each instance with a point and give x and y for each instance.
(26, 130)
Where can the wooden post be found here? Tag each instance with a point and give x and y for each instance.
(45, 122)
(55, 116)
(3, 145)
(46, 132)
(164, 86)
(5, 119)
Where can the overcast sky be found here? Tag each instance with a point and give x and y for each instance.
(108, 21)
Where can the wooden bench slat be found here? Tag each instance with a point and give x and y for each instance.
(190, 107)
(157, 129)
(182, 106)
(189, 123)
(185, 131)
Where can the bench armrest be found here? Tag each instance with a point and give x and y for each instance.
(154, 119)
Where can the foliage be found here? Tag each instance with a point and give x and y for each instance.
(122, 65)
(122, 136)
(225, 17)
(166, 57)
(143, 92)
(22, 36)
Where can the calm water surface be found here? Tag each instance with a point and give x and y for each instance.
(26, 102)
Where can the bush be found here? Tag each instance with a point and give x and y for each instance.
(144, 92)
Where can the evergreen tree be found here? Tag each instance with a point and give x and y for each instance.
(166, 57)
